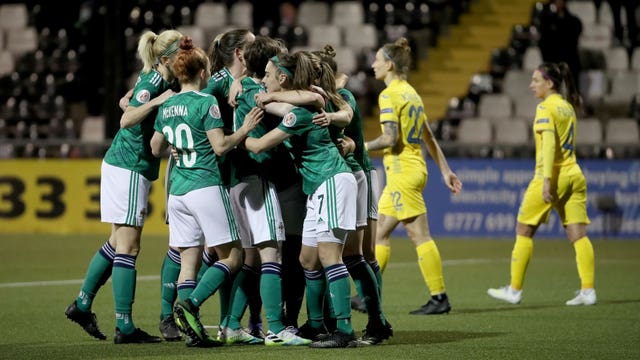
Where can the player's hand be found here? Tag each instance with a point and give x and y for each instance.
(453, 183)
(345, 145)
(322, 118)
(174, 154)
(319, 90)
(252, 119)
(124, 101)
(341, 80)
(159, 100)
(547, 194)
(234, 92)
(262, 99)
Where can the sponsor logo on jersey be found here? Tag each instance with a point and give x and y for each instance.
(542, 121)
(214, 111)
(386, 111)
(143, 96)
(289, 120)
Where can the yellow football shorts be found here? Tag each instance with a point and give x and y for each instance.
(402, 195)
(570, 203)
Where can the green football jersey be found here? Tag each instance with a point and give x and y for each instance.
(276, 164)
(219, 86)
(315, 155)
(354, 131)
(131, 147)
(337, 133)
(184, 119)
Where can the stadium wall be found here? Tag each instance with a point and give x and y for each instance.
(63, 196)
(492, 191)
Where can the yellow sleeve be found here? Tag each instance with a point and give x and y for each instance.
(544, 118)
(548, 152)
(387, 112)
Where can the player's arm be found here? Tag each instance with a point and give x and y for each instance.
(340, 118)
(293, 97)
(388, 138)
(450, 178)
(133, 115)
(278, 108)
(548, 156)
(235, 90)
(159, 144)
(266, 142)
(124, 101)
(222, 143)
(346, 145)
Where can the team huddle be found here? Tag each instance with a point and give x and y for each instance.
(271, 195)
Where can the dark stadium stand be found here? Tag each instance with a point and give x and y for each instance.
(60, 70)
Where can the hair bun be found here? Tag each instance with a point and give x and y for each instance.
(186, 43)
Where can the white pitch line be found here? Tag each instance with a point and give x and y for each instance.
(64, 282)
(157, 277)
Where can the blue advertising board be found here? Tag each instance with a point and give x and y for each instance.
(492, 191)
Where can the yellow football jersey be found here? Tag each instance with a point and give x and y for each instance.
(557, 115)
(400, 103)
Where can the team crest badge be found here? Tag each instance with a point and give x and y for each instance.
(214, 111)
(289, 120)
(143, 96)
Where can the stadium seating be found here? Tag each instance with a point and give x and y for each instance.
(346, 13)
(525, 106)
(584, 10)
(13, 16)
(474, 137)
(312, 13)
(617, 59)
(589, 137)
(320, 35)
(495, 106)
(241, 14)
(620, 134)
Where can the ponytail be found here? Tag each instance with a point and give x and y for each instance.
(560, 74)
(152, 47)
(572, 95)
(145, 50)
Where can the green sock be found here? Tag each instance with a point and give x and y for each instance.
(375, 267)
(315, 289)
(365, 280)
(98, 273)
(271, 293)
(185, 289)
(211, 281)
(124, 288)
(168, 281)
(207, 261)
(239, 302)
(340, 289)
(226, 297)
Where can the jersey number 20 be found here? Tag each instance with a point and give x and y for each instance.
(183, 131)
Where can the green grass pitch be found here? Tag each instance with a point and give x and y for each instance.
(40, 274)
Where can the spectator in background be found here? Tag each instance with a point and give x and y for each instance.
(630, 7)
(559, 34)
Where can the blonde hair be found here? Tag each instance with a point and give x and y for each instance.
(399, 53)
(152, 47)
